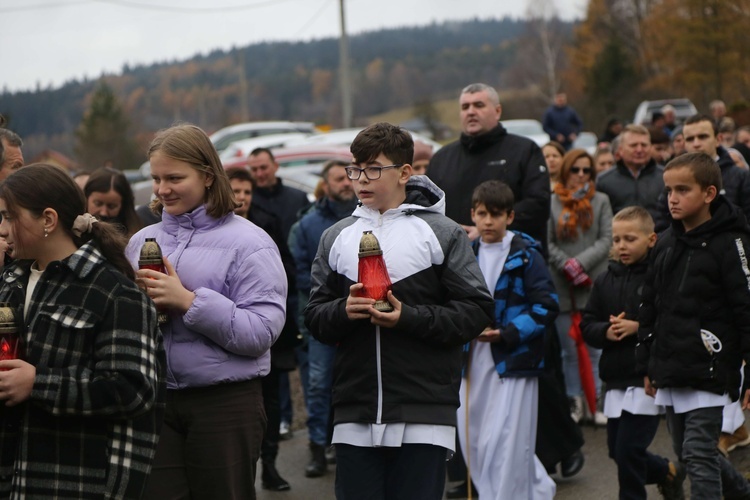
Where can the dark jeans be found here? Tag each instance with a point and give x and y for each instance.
(285, 394)
(209, 443)
(628, 438)
(388, 473)
(270, 446)
(320, 360)
(695, 435)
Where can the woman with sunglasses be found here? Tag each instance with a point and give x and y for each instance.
(580, 236)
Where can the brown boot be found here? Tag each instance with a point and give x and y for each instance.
(738, 439)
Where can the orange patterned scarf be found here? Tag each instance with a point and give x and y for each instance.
(576, 210)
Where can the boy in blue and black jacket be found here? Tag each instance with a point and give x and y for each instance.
(499, 394)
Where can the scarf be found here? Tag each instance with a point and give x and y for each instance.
(576, 210)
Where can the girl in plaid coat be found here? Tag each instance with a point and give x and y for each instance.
(82, 406)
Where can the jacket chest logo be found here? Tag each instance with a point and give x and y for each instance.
(497, 162)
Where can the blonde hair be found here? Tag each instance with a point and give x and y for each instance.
(636, 214)
(188, 143)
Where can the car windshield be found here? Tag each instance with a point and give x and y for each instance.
(524, 128)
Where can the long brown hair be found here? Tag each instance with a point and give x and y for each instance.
(39, 186)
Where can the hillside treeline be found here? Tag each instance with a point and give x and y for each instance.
(278, 81)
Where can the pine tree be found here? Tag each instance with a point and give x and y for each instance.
(102, 138)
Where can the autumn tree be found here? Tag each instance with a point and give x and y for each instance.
(103, 135)
(701, 46)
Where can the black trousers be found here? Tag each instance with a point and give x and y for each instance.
(628, 438)
(270, 445)
(390, 473)
(557, 435)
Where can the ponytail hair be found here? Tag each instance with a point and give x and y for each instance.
(40, 186)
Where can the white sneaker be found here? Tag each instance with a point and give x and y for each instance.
(576, 408)
(600, 420)
(285, 431)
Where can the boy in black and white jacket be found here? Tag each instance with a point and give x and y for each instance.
(396, 374)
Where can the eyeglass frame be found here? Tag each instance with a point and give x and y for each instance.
(351, 169)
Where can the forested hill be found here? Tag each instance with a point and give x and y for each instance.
(390, 68)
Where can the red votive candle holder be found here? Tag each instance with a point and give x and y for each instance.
(372, 272)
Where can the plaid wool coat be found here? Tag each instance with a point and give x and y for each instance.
(90, 426)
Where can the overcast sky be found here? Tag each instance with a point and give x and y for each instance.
(53, 41)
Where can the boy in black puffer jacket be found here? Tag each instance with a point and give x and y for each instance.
(610, 323)
(695, 321)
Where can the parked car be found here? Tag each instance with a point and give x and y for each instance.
(683, 109)
(238, 151)
(297, 156)
(527, 128)
(586, 141)
(345, 137)
(222, 138)
(304, 178)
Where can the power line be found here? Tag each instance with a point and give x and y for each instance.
(145, 6)
(314, 17)
(39, 6)
(169, 8)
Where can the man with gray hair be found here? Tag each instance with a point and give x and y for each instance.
(11, 157)
(487, 151)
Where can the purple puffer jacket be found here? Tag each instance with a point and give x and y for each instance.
(240, 288)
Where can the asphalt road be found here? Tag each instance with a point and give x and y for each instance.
(597, 480)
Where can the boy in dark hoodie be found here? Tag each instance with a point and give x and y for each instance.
(695, 321)
(610, 323)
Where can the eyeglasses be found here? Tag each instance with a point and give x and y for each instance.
(578, 170)
(372, 173)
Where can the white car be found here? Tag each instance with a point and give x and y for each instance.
(239, 150)
(683, 109)
(531, 129)
(222, 138)
(345, 137)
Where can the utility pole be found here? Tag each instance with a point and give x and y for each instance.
(345, 80)
(244, 111)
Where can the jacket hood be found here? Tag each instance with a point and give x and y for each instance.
(619, 269)
(724, 217)
(520, 242)
(422, 195)
(479, 142)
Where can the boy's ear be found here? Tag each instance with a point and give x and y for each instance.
(511, 216)
(711, 193)
(406, 173)
(652, 240)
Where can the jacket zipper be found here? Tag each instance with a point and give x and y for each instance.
(685, 271)
(379, 417)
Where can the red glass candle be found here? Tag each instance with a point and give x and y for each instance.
(372, 272)
(8, 334)
(151, 258)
